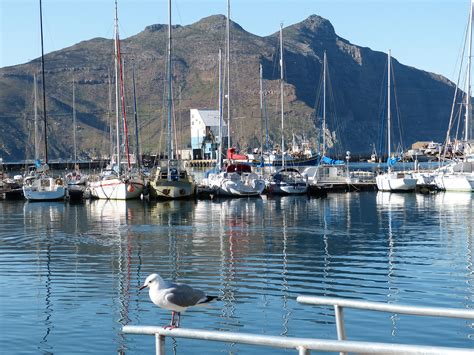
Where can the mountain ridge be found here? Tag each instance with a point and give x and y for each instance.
(356, 75)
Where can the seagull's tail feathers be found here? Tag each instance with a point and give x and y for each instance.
(208, 299)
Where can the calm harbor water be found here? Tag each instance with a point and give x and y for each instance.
(69, 273)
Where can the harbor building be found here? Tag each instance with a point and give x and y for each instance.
(205, 134)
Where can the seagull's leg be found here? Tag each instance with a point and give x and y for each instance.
(172, 318)
(173, 321)
(178, 320)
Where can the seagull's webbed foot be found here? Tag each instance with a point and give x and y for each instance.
(174, 322)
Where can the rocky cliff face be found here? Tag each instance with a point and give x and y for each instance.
(356, 83)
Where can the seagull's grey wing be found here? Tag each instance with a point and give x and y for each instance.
(184, 295)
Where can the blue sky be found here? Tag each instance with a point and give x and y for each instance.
(426, 34)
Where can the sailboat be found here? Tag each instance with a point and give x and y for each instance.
(39, 184)
(329, 173)
(75, 180)
(116, 182)
(286, 181)
(236, 179)
(170, 181)
(459, 174)
(393, 180)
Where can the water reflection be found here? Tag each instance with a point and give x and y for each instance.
(85, 263)
(43, 214)
(385, 202)
(284, 275)
(117, 212)
(48, 304)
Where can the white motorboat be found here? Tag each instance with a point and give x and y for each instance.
(287, 181)
(237, 180)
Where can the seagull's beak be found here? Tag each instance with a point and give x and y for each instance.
(141, 288)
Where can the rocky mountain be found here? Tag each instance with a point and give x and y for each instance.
(357, 77)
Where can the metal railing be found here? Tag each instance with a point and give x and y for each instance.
(305, 345)
(340, 303)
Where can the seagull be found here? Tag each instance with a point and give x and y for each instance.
(175, 297)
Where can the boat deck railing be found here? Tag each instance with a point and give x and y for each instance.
(305, 345)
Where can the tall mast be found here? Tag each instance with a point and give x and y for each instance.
(74, 120)
(468, 78)
(44, 87)
(324, 102)
(135, 115)
(219, 152)
(35, 89)
(109, 118)
(261, 109)
(117, 108)
(170, 103)
(389, 114)
(281, 99)
(122, 100)
(228, 72)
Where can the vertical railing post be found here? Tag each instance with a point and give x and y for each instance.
(341, 332)
(303, 351)
(160, 344)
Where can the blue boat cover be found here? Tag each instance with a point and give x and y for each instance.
(327, 160)
(392, 161)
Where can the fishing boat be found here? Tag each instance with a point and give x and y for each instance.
(118, 182)
(39, 184)
(393, 180)
(285, 181)
(169, 181)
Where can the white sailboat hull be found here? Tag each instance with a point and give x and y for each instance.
(116, 189)
(44, 189)
(234, 185)
(395, 182)
(287, 188)
(455, 182)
